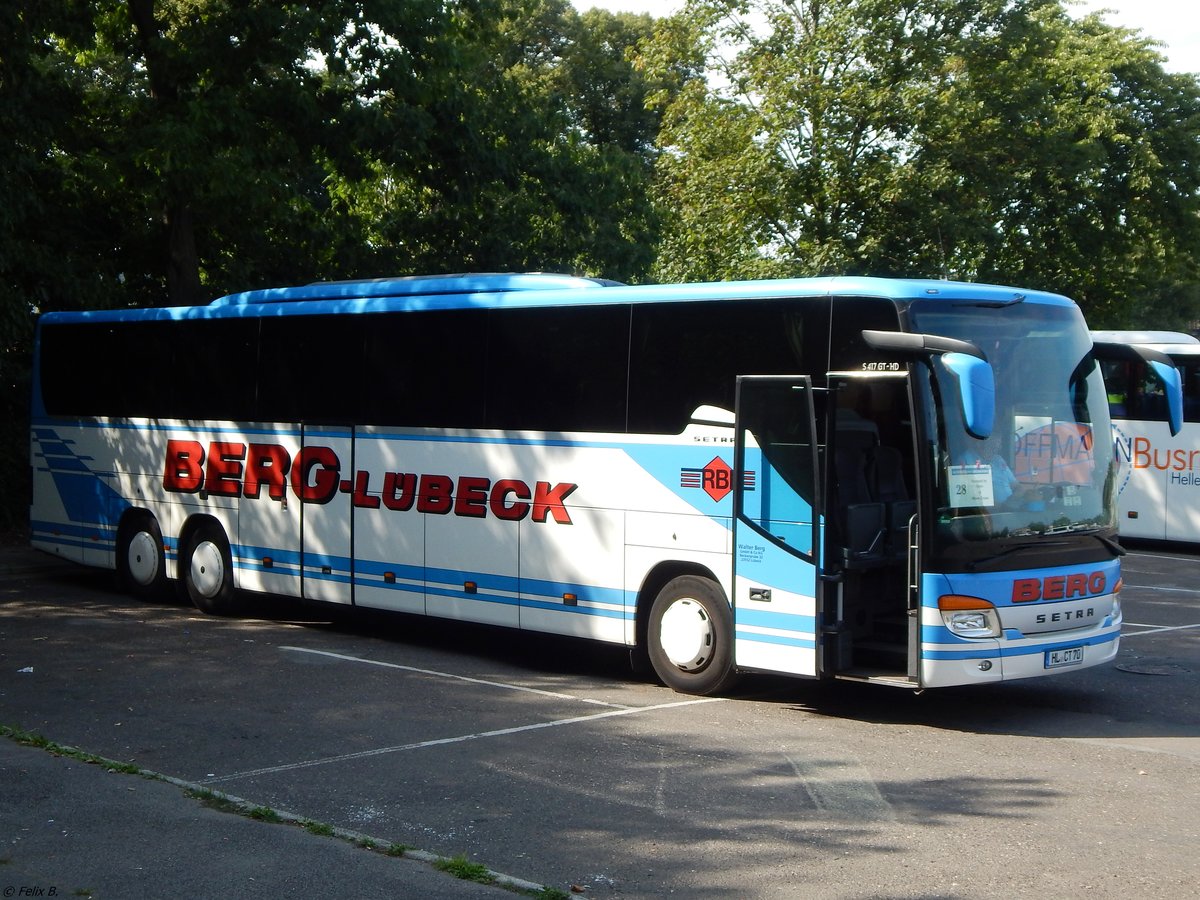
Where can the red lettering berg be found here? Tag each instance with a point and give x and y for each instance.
(1058, 587)
(228, 469)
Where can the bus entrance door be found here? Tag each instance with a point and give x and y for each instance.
(776, 526)
(871, 609)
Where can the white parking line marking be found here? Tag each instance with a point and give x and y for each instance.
(1181, 558)
(1155, 629)
(843, 788)
(1151, 587)
(436, 674)
(462, 738)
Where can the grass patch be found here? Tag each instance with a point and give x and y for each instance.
(461, 867)
(212, 800)
(29, 739)
(321, 829)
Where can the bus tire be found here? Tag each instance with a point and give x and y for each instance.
(141, 560)
(690, 636)
(206, 568)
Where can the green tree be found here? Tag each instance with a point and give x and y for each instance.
(535, 150)
(167, 151)
(986, 139)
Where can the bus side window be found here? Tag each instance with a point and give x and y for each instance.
(1191, 391)
(1117, 384)
(1152, 399)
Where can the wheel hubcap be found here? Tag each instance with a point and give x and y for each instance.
(686, 634)
(208, 569)
(143, 559)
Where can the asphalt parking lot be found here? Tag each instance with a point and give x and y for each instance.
(551, 763)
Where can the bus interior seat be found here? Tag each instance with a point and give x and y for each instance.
(862, 517)
(886, 478)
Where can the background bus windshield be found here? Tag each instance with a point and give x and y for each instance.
(1048, 467)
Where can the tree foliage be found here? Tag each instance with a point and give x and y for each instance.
(994, 140)
(171, 150)
(164, 152)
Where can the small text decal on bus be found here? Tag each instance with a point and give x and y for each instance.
(234, 469)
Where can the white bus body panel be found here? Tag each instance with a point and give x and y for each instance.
(1158, 480)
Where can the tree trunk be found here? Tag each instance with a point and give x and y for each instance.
(182, 262)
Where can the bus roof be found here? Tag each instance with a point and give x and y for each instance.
(540, 290)
(1170, 342)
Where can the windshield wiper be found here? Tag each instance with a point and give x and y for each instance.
(993, 304)
(1112, 546)
(1027, 545)
(1092, 531)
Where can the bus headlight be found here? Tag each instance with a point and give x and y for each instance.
(969, 617)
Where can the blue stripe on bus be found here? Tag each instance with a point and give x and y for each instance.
(459, 593)
(438, 582)
(1060, 644)
(999, 652)
(75, 536)
(70, 464)
(598, 612)
(977, 653)
(802, 624)
(50, 446)
(782, 640)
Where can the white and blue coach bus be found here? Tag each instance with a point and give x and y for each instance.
(1158, 466)
(903, 482)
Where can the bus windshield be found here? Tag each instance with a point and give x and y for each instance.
(1047, 468)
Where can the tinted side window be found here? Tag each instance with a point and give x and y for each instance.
(1134, 393)
(558, 369)
(1190, 373)
(212, 375)
(310, 369)
(425, 369)
(82, 370)
(160, 369)
(1119, 385)
(851, 317)
(685, 355)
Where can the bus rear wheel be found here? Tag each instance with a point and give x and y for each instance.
(690, 636)
(141, 561)
(206, 567)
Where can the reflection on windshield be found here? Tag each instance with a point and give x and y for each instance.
(1048, 466)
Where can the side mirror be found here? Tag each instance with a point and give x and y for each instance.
(962, 359)
(1158, 364)
(976, 391)
(1173, 387)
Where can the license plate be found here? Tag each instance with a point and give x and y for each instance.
(1068, 656)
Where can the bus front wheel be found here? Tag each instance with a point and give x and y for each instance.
(206, 567)
(141, 561)
(690, 636)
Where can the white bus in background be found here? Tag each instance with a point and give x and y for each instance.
(1158, 472)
